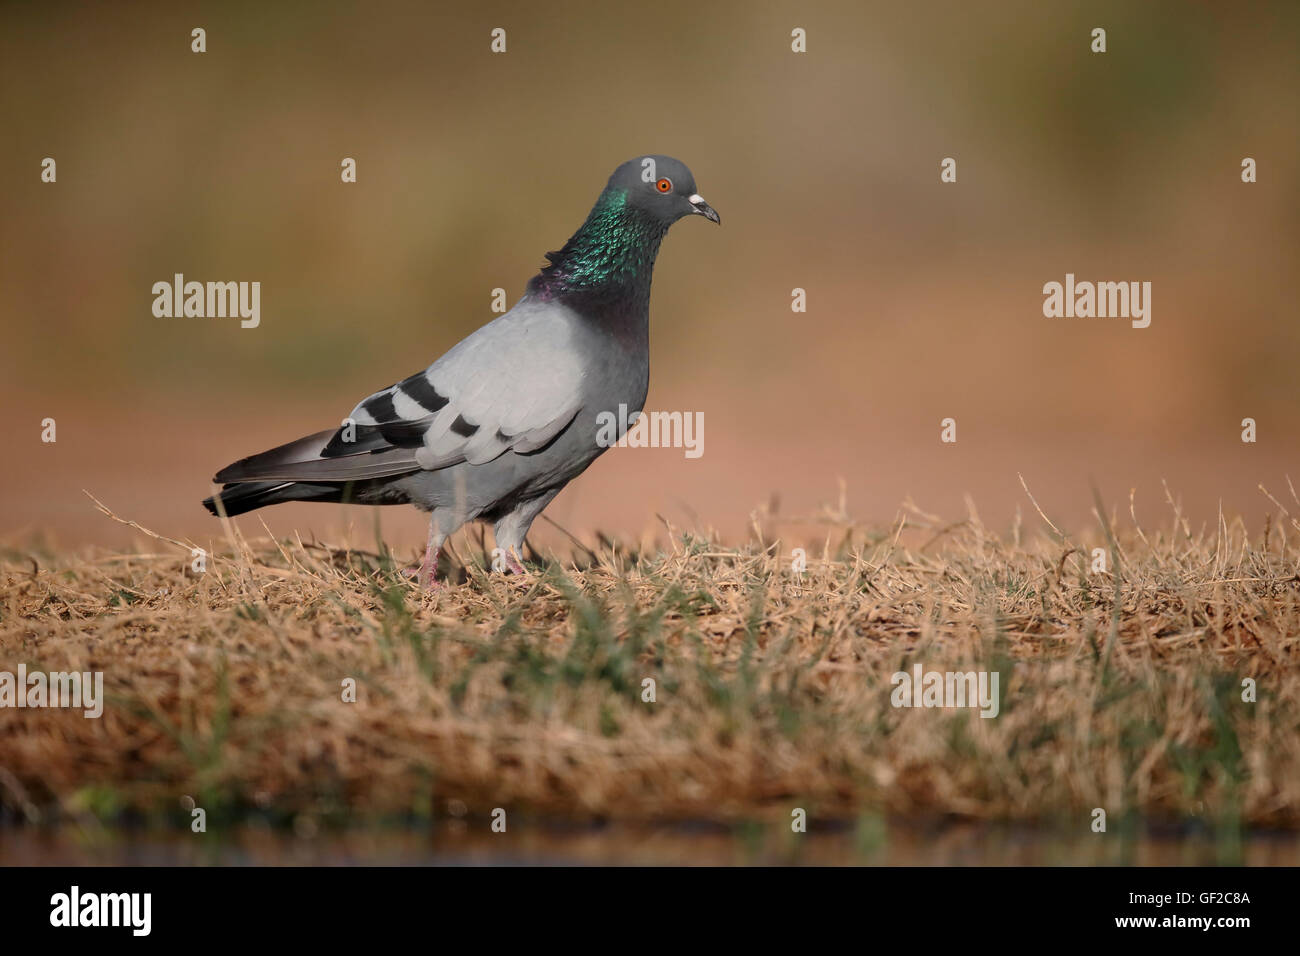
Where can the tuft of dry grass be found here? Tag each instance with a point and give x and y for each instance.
(1121, 688)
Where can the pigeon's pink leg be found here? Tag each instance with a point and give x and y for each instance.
(513, 564)
(428, 568)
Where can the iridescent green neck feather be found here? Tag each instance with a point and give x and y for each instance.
(608, 260)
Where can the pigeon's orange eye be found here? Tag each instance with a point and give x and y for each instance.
(664, 185)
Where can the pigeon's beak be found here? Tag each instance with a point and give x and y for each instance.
(704, 209)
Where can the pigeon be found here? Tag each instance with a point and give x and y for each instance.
(494, 429)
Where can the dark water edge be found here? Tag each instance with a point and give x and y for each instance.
(457, 844)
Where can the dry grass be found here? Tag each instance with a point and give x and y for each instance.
(1120, 690)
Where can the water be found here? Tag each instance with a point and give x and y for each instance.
(462, 843)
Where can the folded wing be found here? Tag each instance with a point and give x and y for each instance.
(513, 385)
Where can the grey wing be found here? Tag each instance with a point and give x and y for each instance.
(514, 384)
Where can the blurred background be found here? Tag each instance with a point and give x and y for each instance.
(924, 298)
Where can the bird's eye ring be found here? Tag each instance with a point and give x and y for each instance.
(664, 185)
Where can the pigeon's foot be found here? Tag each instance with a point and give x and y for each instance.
(413, 572)
(513, 564)
(426, 573)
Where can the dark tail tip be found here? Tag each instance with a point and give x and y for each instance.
(236, 499)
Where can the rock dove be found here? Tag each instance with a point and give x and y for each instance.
(497, 426)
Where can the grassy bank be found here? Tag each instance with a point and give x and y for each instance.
(1120, 689)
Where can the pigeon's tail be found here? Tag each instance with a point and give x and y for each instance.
(247, 496)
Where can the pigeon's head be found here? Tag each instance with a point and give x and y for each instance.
(662, 187)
